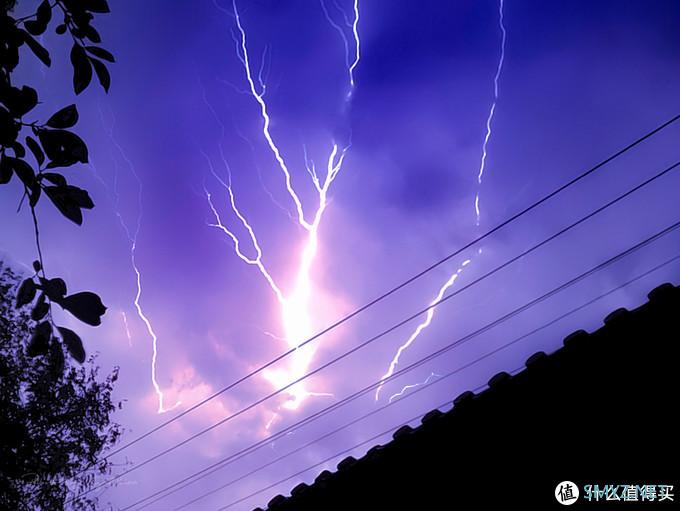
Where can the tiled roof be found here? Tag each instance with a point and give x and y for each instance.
(599, 410)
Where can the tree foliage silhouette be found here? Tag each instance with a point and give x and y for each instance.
(55, 418)
(31, 151)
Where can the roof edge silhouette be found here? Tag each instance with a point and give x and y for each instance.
(602, 359)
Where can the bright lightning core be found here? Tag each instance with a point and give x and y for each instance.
(295, 304)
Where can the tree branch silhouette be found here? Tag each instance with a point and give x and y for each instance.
(51, 145)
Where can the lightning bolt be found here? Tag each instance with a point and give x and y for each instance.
(270, 423)
(242, 137)
(353, 26)
(132, 236)
(273, 336)
(492, 110)
(127, 328)
(296, 303)
(342, 35)
(480, 174)
(414, 385)
(421, 326)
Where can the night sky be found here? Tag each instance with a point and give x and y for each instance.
(579, 81)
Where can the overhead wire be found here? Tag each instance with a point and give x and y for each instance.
(414, 392)
(400, 286)
(356, 446)
(388, 330)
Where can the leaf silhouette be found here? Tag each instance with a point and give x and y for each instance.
(102, 73)
(63, 148)
(101, 53)
(86, 306)
(82, 70)
(21, 169)
(37, 48)
(41, 308)
(39, 341)
(36, 150)
(73, 343)
(26, 293)
(64, 118)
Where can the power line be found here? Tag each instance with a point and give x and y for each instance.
(338, 454)
(447, 348)
(375, 411)
(369, 388)
(402, 285)
(450, 296)
(344, 451)
(384, 332)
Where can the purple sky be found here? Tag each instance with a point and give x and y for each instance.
(579, 81)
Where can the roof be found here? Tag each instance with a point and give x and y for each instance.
(599, 410)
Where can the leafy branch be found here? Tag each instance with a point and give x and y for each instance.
(52, 145)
